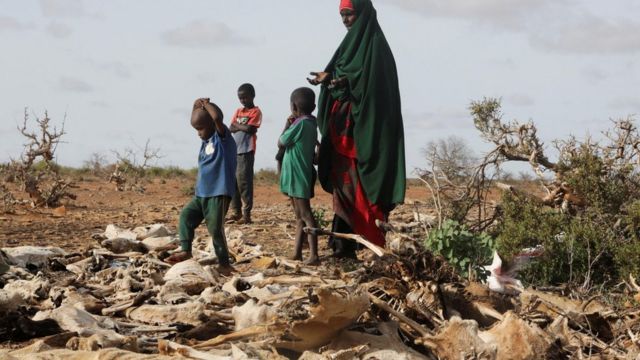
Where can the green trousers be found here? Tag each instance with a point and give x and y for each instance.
(213, 211)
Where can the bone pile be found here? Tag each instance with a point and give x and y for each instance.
(120, 300)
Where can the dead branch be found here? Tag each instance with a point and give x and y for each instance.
(129, 171)
(414, 325)
(357, 238)
(41, 180)
(514, 141)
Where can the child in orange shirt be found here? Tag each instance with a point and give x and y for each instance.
(244, 125)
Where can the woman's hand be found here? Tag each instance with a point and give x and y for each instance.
(338, 83)
(319, 78)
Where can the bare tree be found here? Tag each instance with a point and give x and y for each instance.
(96, 164)
(36, 172)
(458, 182)
(129, 169)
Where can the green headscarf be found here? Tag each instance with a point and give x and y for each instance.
(365, 59)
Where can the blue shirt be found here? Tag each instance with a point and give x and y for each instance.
(217, 166)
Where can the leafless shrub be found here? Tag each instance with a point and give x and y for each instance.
(129, 169)
(458, 183)
(96, 164)
(36, 173)
(7, 200)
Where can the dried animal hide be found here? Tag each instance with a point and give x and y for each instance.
(459, 339)
(113, 232)
(191, 313)
(84, 301)
(349, 345)
(9, 301)
(122, 245)
(30, 291)
(159, 243)
(149, 231)
(239, 284)
(32, 256)
(516, 339)
(172, 293)
(590, 315)
(190, 276)
(102, 341)
(176, 350)
(250, 314)
(334, 311)
(73, 319)
(214, 296)
(64, 354)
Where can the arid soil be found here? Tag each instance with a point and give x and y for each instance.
(99, 204)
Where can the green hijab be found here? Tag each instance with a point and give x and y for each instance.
(365, 59)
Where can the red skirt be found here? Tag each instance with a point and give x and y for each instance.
(350, 201)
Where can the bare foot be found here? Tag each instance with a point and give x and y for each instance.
(178, 257)
(296, 258)
(312, 261)
(225, 270)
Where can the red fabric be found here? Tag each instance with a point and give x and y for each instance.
(343, 144)
(346, 4)
(362, 213)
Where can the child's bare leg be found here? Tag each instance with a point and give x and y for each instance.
(299, 237)
(304, 211)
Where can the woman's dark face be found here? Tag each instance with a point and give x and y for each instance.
(348, 17)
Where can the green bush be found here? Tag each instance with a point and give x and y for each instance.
(166, 172)
(598, 243)
(627, 252)
(579, 249)
(463, 249)
(266, 176)
(319, 214)
(604, 188)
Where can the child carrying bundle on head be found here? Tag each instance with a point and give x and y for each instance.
(215, 185)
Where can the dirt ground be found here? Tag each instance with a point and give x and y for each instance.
(99, 204)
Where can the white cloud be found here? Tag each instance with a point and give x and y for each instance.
(436, 120)
(565, 26)
(62, 8)
(202, 34)
(591, 34)
(59, 30)
(627, 103)
(74, 85)
(12, 24)
(117, 68)
(502, 13)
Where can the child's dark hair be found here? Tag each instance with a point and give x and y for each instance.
(305, 99)
(248, 88)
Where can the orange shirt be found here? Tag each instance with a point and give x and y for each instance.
(246, 142)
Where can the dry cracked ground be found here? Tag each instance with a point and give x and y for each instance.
(99, 204)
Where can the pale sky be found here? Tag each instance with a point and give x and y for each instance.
(125, 71)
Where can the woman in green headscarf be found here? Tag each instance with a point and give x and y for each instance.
(362, 150)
